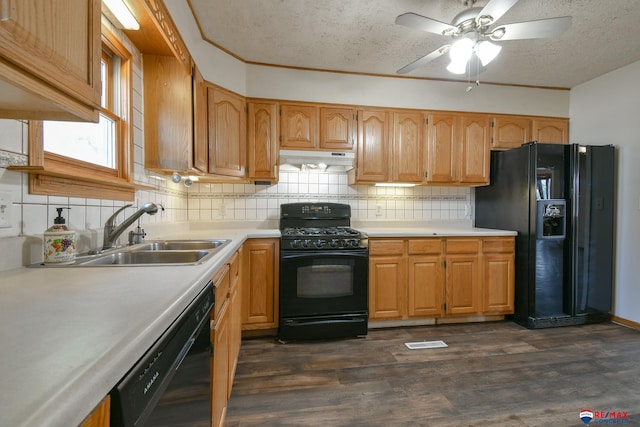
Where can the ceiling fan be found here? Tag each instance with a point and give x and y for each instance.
(473, 32)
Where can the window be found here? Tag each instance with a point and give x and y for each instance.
(90, 159)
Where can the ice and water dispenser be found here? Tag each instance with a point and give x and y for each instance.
(552, 223)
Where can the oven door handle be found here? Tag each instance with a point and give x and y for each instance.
(306, 254)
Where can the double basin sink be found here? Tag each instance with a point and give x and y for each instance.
(159, 252)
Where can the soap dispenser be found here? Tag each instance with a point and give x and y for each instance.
(59, 242)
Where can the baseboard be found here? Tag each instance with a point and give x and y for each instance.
(624, 322)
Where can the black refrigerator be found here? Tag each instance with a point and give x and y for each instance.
(560, 199)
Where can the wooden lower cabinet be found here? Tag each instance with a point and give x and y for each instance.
(438, 277)
(100, 417)
(463, 276)
(260, 284)
(386, 279)
(220, 367)
(498, 266)
(426, 278)
(226, 335)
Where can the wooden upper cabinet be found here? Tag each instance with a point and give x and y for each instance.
(227, 133)
(50, 59)
(262, 141)
(168, 117)
(200, 128)
(408, 140)
(299, 126)
(551, 131)
(337, 128)
(441, 149)
(373, 146)
(509, 132)
(475, 150)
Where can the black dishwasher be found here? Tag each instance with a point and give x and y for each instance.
(171, 384)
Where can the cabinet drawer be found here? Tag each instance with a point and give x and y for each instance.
(221, 285)
(425, 246)
(386, 247)
(463, 246)
(506, 244)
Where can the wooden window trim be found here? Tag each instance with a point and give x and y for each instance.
(56, 175)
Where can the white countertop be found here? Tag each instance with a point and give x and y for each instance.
(68, 335)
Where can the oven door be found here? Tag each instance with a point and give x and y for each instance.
(323, 282)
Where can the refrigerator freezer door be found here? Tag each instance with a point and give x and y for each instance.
(593, 207)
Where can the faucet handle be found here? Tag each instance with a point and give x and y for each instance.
(112, 218)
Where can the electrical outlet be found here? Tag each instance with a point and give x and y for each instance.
(5, 209)
(378, 210)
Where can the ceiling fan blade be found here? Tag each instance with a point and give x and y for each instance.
(419, 22)
(541, 29)
(424, 60)
(493, 11)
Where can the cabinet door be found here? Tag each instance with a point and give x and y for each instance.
(551, 131)
(262, 141)
(220, 367)
(498, 260)
(235, 315)
(259, 294)
(200, 124)
(441, 153)
(227, 133)
(463, 284)
(408, 133)
(387, 287)
(168, 119)
(475, 149)
(58, 42)
(510, 132)
(299, 124)
(426, 285)
(337, 128)
(463, 276)
(373, 146)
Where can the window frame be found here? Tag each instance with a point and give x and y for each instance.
(55, 174)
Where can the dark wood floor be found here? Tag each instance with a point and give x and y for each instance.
(492, 374)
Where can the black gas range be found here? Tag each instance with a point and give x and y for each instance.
(323, 273)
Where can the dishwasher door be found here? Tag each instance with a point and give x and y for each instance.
(170, 384)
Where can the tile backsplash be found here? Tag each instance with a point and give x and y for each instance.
(261, 202)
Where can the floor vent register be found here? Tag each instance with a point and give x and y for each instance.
(421, 345)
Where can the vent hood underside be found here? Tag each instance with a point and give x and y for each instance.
(317, 160)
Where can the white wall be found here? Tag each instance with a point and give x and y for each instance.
(605, 111)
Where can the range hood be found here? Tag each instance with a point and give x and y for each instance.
(328, 161)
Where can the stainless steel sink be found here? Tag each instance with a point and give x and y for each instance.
(154, 252)
(147, 257)
(181, 245)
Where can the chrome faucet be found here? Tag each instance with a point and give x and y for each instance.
(112, 232)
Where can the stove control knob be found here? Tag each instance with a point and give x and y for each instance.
(333, 243)
(295, 244)
(318, 243)
(354, 243)
(306, 243)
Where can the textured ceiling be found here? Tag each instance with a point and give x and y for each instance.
(360, 36)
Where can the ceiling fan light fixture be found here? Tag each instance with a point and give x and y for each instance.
(457, 67)
(461, 50)
(487, 51)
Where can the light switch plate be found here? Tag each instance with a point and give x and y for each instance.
(5, 209)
